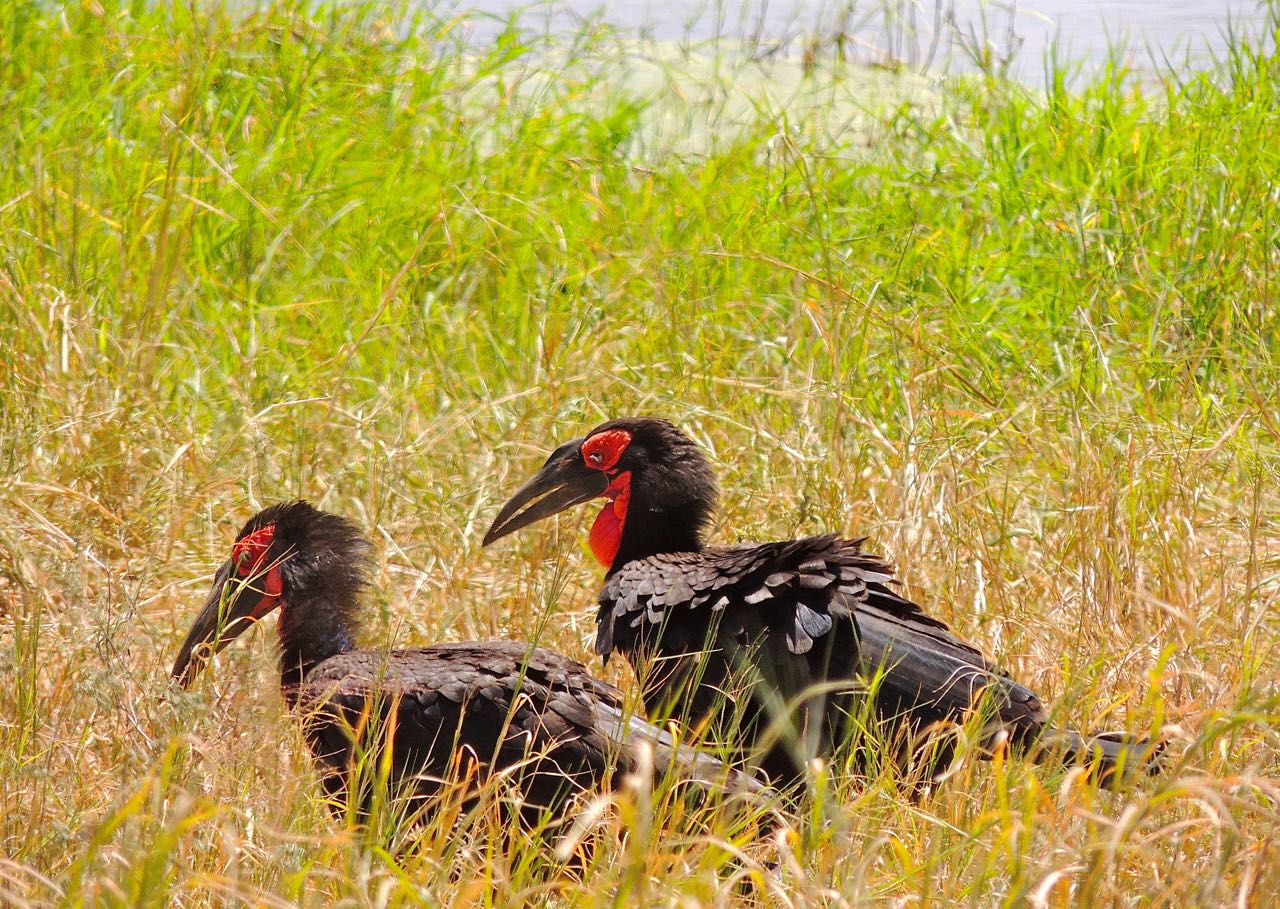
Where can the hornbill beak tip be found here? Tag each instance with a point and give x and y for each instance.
(494, 533)
(563, 481)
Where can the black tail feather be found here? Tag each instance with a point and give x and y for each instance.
(927, 676)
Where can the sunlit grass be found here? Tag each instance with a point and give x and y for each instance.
(1025, 341)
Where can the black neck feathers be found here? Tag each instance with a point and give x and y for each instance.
(673, 492)
(325, 569)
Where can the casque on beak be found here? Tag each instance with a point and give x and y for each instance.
(234, 604)
(564, 481)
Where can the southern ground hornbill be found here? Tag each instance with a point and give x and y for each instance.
(773, 642)
(465, 711)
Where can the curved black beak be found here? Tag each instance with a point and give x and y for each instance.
(233, 606)
(564, 481)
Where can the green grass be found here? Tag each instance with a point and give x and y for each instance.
(1026, 341)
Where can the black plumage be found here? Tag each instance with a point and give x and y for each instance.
(476, 709)
(465, 711)
(772, 643)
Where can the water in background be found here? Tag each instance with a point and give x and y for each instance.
(938, 34)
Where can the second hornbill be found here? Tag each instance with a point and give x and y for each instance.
(468, 711)
(773, 642)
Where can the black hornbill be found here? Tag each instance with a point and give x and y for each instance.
(768, 641)
(466, 711)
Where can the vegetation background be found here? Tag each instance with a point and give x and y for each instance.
(1025, 340)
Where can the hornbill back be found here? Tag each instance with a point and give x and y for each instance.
(745, 634)
(477, 711)
(737, 633)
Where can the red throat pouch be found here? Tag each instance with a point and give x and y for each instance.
(606, 532)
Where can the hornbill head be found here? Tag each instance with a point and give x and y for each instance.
(289, 554)
(660, 489)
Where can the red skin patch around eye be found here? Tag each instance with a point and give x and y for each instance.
(249, 556)
(602, 451)
(606, 532)
(249, 552)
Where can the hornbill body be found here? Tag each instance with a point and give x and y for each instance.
(466, 711)
(772, 642)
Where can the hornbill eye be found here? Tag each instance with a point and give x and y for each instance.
(604, 449)
(250, 552)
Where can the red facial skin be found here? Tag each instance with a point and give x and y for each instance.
(606, 532)
(601, 452)
(249, 555)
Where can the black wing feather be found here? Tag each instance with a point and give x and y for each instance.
(800, 583)
(793, 596)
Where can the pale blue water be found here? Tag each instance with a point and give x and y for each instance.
(1185, 33)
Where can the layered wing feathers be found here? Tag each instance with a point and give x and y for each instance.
(799, 586)
(506, 703)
